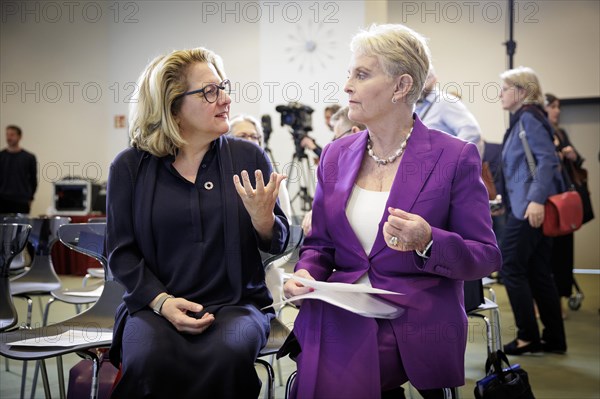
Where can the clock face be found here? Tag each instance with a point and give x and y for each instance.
(311, 47)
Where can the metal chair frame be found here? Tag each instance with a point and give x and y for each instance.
(100, 316)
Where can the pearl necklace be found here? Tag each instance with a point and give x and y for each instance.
(391, 158)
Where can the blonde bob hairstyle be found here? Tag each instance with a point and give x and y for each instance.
(152, 124)
(400, 50)
(247, 118)
(526, 79)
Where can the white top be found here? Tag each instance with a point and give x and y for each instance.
(364, 212)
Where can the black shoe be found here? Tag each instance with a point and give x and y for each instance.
(512, 349)
(550, 348)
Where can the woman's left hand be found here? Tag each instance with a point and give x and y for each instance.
(535, 214)
(259, 201)
(405, 231)
(569, 153)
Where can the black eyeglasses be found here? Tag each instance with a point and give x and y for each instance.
(211, 91)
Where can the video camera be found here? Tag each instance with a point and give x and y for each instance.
(298, 117)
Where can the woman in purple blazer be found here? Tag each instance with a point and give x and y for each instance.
(414, 219)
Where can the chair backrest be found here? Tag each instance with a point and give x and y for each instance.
(44, 232)
(473, 291)
(88, 239)
(295, 240)
(273, 275)
(13, 238)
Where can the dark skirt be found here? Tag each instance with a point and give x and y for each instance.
(160, 362)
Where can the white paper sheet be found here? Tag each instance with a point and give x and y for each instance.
(354, 298)
(71, 337)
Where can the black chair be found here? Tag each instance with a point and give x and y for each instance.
(279, 331)
(13, 238)
(97, 320)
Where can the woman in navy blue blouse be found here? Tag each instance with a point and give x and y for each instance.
(187, 211)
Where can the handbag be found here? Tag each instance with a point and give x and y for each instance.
(579, 177)
(563, 213)
(503, 382)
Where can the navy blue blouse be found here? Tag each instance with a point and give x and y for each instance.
(190, 262)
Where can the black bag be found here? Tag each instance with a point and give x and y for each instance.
(579, 177)
(509, 382)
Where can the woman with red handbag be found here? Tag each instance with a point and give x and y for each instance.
(526, 269)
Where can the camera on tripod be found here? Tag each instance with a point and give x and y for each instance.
(299, 118)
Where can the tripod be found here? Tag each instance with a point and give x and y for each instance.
(301, 173)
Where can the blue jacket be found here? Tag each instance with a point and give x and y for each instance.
(521, 187)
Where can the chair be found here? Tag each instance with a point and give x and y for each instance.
(475, 303)
(13, 238)
(279, 331)
(97, 321)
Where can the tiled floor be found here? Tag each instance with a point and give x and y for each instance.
(575, 375)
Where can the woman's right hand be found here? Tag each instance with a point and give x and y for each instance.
(175, 310)
(294, 288)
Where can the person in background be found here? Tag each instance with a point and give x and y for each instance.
(183, 237)
(526, 269)
(342, 126)
(248, 128)
(562, 259)
(446, 112)
(18, 174)
(381, 217)
(308, 142)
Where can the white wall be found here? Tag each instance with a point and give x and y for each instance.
(558, 39)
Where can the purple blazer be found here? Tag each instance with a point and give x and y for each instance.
(438, 179)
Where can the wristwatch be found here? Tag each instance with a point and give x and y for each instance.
(159, 303)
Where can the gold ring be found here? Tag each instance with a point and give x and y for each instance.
(394, 241)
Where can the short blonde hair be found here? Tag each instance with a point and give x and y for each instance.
(400, 50)
(247, 118)
(525, 78)
(152, 124)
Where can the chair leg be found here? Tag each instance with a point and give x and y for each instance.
(497, 329)
(45, 379)
(29, 311)
(46, 311)
(95, 377)
(61, 377)
(279, 373)
(290, 383)
(270, 392)
(23, 379)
